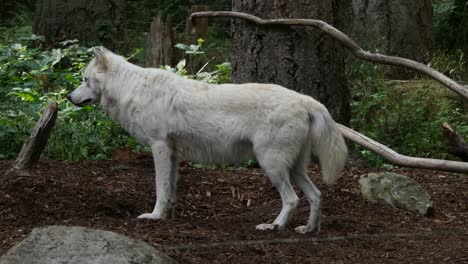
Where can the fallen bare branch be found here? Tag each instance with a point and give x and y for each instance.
(350, 44)
(402, 160)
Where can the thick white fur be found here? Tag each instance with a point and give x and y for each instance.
(184, 119)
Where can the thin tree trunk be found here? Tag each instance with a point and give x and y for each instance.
(160, 43)
(201, 29)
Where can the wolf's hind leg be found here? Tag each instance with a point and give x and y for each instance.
(278, 173)
(166, 167)
(301, 179)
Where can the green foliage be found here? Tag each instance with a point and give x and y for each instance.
(406, 116)
(10, 10)
(450, 20)
(196, 56)
(451, 64)
(29, 79)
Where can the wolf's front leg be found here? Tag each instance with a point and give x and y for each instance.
(166, 167)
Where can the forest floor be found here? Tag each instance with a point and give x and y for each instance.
(217, 211)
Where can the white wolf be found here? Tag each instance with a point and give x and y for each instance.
(183, 119)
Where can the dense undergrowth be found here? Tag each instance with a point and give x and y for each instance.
(406, 115)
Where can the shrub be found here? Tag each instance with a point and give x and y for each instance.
(406, 116)
(30, 78)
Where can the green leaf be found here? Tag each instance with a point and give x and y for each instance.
(16, 46)
(182, 46)
(193, 47)
(181, 65)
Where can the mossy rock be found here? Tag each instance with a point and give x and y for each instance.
(79, 245)
(397, 190)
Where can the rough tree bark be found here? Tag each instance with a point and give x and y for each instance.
(301, 59)
(85, 20)
(400, 28)
(201, 30)
(160, 43)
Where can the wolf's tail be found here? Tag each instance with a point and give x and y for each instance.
(328, 145)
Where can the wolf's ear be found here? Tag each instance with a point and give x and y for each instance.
(101, 57)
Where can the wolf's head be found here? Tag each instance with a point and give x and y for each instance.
(93, 80)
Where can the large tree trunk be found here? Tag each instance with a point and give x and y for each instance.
(302, 59)
(86, 20)
(400, 28)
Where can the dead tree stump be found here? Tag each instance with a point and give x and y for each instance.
(160, 43)
(31, 151)
(456, 143)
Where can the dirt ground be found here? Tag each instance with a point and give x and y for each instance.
(217, 211)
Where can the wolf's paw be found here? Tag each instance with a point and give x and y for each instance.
(267, 227)
(306, 229)
(151, 216)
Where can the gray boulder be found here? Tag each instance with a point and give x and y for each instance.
(78, 245)
(397, 190)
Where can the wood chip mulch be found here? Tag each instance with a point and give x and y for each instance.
(217, 211)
